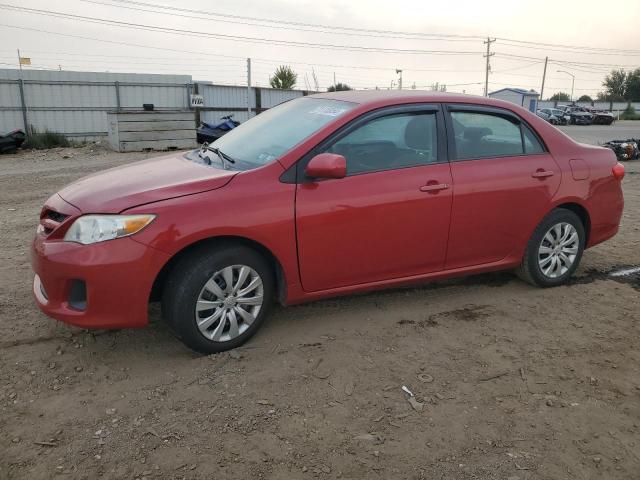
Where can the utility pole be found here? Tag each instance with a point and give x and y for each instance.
(22, 100)
(544, 75)
(488, 55)
(399, 72)
(248, 88)
(334, 79)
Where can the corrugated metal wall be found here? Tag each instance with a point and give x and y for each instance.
(76, 103)
(271, 98)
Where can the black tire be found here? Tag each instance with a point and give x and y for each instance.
(530, 270)
(186, 281)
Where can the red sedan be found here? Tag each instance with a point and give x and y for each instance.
(322, 196)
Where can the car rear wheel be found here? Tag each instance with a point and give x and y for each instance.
(216, 299)
(554, 250)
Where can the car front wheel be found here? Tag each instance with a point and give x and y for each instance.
(554, 250)
(215, 299)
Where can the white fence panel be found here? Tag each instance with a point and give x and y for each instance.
(10, 95)
(546, 104)
(76, 103)
(214, 117)
(10, 120)
(162, 97)
(221, 96)
(271, 97)
(73, 123)
(40, 95)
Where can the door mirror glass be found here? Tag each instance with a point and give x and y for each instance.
(327, 165)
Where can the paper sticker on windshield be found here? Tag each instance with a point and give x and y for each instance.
(328, 111)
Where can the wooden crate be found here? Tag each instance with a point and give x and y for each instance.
(138, 131)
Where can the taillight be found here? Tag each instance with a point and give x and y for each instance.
(618, 171)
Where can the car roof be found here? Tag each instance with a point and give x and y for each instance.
(381, 98)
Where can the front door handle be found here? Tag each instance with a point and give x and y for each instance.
(434, 187)
(540, 173)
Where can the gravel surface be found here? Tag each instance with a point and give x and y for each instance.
(510, 381)
(599, 134)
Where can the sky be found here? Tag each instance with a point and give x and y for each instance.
(361, 43)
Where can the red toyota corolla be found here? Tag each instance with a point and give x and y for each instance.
(321, 196)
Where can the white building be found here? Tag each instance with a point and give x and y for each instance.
(525, 98)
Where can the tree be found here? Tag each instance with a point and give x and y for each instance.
(615, 85)
(339, 87)
(632, 86)
(603, 97)
(284, 78)
(585, 98)
(560, 97)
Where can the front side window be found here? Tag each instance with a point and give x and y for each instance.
(390, 142)
(485, 135)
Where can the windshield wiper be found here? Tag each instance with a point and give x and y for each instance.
(221, 155)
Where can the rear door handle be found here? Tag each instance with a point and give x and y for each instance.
(542, 174)
(434, 187)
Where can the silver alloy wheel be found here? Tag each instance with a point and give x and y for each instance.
(558, 250)
(229, 303)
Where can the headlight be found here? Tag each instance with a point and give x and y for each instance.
(98, 228)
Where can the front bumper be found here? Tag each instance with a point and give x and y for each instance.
(116, 278)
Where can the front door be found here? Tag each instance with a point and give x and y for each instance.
(504, 183)
(389, 217)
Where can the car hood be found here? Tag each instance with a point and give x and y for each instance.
(151, 180)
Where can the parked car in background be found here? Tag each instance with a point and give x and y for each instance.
(325, 195)
(600, 117)
(577, 115)
(554, 116)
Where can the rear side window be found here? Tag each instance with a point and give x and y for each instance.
(390, 142)
(481, 135)
(531, 143)
(485, 135)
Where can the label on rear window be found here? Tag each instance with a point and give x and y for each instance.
(328, 111)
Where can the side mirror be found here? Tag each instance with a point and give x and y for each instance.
(327, 165)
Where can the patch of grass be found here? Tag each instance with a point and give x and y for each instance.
(46, 139)
(629, 114)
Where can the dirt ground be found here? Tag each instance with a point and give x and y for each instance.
(514, 382)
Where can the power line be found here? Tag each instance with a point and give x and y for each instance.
(523, 43)
(226, 19)
(289, 23)
(574, 47)
(195, 33)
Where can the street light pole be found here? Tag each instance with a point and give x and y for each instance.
(398, 71)
(573, 79)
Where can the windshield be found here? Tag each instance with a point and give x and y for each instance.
(274, 132)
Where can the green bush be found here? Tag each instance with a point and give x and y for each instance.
(629, 113)
(46, 139)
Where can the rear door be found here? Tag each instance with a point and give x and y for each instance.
(389, 217)
(504, 182)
